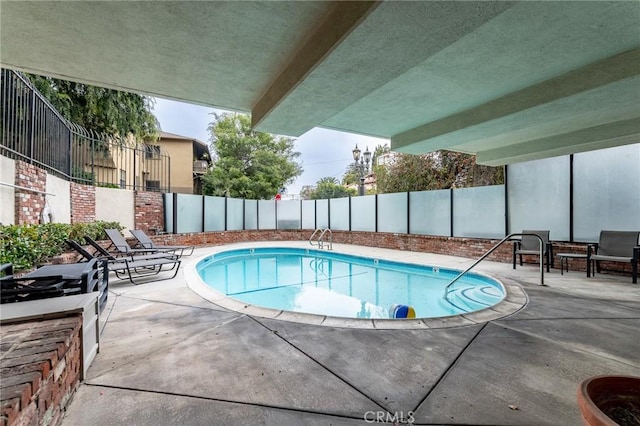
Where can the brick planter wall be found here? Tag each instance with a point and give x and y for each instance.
(471, 248)
(149, 211)
(40, 370)
(29, 204)
(83, 203)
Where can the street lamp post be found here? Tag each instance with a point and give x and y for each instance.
(362, 166)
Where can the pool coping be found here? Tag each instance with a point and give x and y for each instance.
(515, 298)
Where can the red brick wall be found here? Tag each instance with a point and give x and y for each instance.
(83, 203)
(149, 211)
(471, 248)
(29, 204)
(40, 370)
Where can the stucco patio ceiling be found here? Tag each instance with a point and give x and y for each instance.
(510, 81)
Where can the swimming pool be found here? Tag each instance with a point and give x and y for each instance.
(340, 285)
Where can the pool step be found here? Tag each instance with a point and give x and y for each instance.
(472, 298)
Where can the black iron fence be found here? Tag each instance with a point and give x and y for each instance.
(33, 131)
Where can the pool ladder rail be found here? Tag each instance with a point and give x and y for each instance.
(447, 289)
(319, 235)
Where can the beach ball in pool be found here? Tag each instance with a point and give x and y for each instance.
(401, 311)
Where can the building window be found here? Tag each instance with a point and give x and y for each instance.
(123, 178)
(152, 152)
(152, 185)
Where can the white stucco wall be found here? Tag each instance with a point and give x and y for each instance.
(60, 204)
(7, 194)
(115, 205)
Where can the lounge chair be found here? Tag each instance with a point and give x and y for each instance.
(103, 253)
(530, 246)
(56, 280)
(130, 267)
(122, 247)
(145, 242)
(615, 246)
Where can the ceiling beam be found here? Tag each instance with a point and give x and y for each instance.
(341, 21)
(606, 71)
(597, 137)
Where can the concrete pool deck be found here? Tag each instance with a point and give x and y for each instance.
(168, 356)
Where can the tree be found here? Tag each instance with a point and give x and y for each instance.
(328, 187)
(377, 152)
(352, 175)
(438, 170)
(248, 164)
(113, 112)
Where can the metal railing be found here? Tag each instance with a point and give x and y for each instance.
(32, 130)
(492, 249)
(319, 241)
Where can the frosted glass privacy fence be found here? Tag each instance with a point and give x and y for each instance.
(573, 196)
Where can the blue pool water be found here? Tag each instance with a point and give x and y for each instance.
(327, 283)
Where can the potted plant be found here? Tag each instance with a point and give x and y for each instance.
(610, 401)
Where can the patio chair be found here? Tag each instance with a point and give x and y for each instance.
(54, 281)
(103, 253)
(615, 246)
(134, 267)
(145, 242)
(530, 246)
(122, 247)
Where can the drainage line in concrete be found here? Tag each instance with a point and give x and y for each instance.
(113, 305)
(229, 401)
(182, 305)
(320, 364)
(455, 361)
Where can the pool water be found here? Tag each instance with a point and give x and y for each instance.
(328, 283)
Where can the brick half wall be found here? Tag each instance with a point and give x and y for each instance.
(83, 203)
(149, 211)
(471, 248)
(40, 370)
(29, 204)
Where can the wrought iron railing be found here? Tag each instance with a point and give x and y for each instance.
(32, 130)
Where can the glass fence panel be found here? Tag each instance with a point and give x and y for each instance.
(479, 212)
(168, 211)
(393, 213)
(266, 214)
(235, 214)
(288, 214)
(308, 214)
(322, 214)
(538, 196)
(250, 214)
(606, 191)
(363, 213)
(339, 210)
(214, 212)
(189, 213)
(430, 212)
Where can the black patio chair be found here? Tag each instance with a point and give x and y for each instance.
(530, 246)
(145, 242)
(103, 253)
(134, 267)
(121, 246)
(615, 246)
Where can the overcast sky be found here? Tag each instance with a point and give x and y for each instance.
(323, 152)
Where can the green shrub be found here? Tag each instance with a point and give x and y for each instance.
(27, 245)
(94, 230)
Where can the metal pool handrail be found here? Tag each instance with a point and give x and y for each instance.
(507, 238)
(313, 235)
(320, 239)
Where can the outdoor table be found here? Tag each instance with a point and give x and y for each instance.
(564, 259)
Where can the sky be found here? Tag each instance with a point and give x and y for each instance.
(323, 152)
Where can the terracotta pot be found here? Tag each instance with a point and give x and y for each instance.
(604, 398)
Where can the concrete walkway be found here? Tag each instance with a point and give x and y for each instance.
(170, 357)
